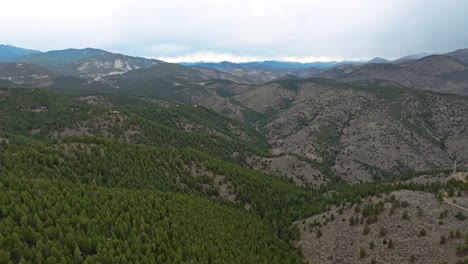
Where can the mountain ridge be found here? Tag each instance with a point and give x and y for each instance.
(10, 53)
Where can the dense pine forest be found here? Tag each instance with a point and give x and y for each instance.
(145, 180)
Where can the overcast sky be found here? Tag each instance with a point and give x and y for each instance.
(239, 30)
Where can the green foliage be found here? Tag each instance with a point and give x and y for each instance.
(382, 231)
(390, 244)
(39, 112)
(44, 219)
(462, 250)
(45, 115)
(405, 215)
(291, 85)
(223, 92)
(319, 233)
(362, 252)
(422, 232)
(366, 230)
(329, 137)
(443, 240)
(460, 216)
(154, 195)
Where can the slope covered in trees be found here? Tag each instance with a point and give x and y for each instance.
(134, 181)
(47, 116)
(58, 221)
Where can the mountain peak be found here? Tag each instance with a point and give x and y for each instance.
(378, 60)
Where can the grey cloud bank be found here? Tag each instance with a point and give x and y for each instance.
(213, 30)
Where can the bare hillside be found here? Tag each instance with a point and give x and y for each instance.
(401, 227)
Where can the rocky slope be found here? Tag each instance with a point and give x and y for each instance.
(400, 227)
(364, 130)
(24, 74)
(105, 64)
(438, 73)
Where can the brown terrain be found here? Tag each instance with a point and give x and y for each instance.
(438, 73)
(362, 130)
(421, 229)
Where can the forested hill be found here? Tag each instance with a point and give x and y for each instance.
(48, 116)
(124, 179)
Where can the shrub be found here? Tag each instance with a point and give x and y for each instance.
(422, 232)
(319, 233)
(460, 216)
(462, 250)
(443, 240)
(366, 230)
(405, 216)
(383, 231)
(362, 252)
(390, 244)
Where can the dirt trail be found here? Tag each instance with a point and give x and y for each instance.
(461, 176)
(456, 205)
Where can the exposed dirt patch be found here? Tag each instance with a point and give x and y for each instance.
(95, 100)
(111, 124)
(301, 172)
(211, 183)
(40, 109)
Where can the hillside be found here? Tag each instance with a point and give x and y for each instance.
(352, 128)
(317, 129)
(437, 73)
(28, 75)
(461, 55)
(398, 227)
(41, 114)
(147, 174)
(121, 225)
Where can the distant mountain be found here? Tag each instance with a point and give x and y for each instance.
(55, 59)
(106, 63)
(99, 67)
(271, 64)
(266, 71)
(378, 60)
(412, 57)
(461, 55)
(88, 63)
(10, 53)
(436, 73)
(152, 76)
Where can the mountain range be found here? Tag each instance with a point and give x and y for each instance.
(112, 158)
(95, 67)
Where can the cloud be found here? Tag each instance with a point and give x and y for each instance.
(167, 48)
(207, 56)
(239, 29)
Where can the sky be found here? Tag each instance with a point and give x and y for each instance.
(239, 30)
